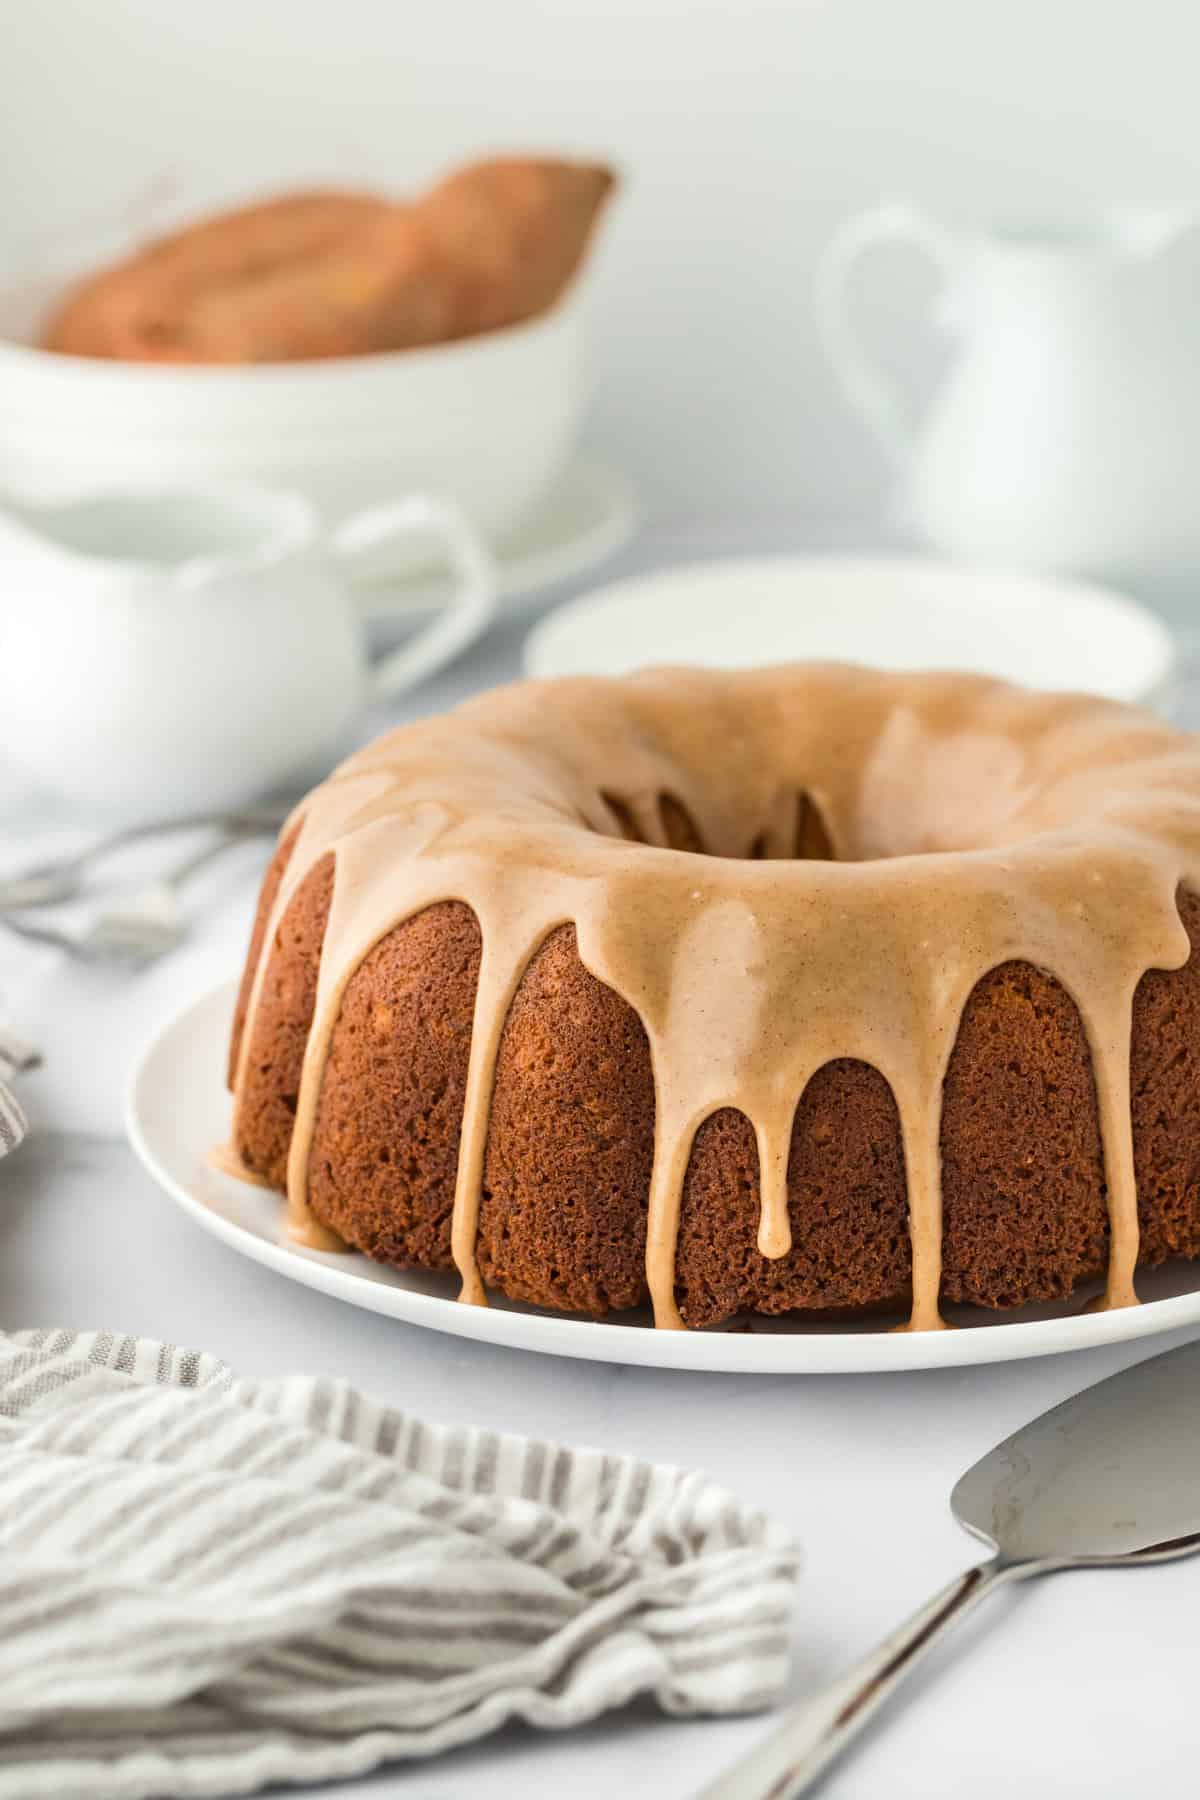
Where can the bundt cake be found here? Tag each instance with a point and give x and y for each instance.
(810, 989)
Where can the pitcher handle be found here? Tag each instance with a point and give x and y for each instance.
(861, 382)
(472, 603)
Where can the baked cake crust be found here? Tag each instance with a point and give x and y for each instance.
(590, 916)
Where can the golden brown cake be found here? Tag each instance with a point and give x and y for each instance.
(806, 989)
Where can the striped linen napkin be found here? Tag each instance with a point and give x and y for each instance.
(14, 1056)
(209, 1584)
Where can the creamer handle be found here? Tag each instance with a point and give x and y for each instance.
(471, 605)
(862, 384)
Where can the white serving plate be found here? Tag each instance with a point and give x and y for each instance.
(893, 612)
(178, 1109)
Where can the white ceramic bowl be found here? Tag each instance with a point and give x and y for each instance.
(488, 422)
(892, 612)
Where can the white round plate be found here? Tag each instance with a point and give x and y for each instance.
(178, 1109)
(587, 516)
(894, 612)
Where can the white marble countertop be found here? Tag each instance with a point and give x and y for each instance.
(1078, 1685)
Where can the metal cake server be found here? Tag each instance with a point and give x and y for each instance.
(1110, 1478)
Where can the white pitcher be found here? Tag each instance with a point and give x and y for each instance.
(167, 651)
(1067, 430)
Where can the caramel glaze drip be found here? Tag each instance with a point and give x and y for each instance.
(969, 824)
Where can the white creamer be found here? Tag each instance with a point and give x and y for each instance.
(181, 650)
(1066, 431)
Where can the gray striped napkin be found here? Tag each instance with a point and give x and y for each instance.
(209, 1584)
(14, 1056)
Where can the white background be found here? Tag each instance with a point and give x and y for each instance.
(746, 128)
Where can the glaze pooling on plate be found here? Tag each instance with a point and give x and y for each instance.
(971, 824)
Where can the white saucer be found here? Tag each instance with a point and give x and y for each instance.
(587, 516)
(895, 612)
(178, 1109)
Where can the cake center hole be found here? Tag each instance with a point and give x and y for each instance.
(800, 834)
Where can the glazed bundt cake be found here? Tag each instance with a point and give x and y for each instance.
(808, 989)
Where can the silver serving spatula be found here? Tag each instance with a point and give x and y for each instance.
(1107, 1479)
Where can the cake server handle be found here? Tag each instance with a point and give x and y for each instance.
(818, 1729)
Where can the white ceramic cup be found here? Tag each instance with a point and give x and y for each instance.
(189, 649)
